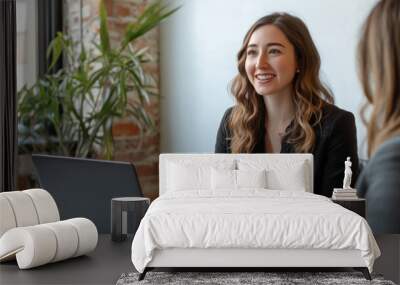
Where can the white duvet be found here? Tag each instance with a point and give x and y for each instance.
(250, 219)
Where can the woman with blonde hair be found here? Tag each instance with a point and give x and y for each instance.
(282, 106)
(379, 68)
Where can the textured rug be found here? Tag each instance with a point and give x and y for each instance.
(231, 278)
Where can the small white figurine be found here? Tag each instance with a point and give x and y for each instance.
(347, 174)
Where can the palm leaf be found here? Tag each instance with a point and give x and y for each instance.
(104, 36)
(55, 49)
(150, 18)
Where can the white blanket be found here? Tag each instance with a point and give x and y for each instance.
(250, 219)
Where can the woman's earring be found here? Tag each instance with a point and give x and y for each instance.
(297, 70)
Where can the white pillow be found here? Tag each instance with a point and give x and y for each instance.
(237, 179)
(281, 175)
(293, 179)
(223, 179)
(251, 179)
(193, 176)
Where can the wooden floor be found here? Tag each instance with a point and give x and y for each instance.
(103, 266)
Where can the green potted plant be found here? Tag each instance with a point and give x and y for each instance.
(71, 111)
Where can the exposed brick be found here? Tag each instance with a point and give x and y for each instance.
(116, 26)
(122, 9)
(134, 157)
(109, 7)
(149, 180)
(152, 140)
(125, 129)
(149, 186)
(152, 195)
(147, 169)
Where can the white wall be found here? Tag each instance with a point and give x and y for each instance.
(198, 60)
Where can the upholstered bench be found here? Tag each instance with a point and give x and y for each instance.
(31, 230)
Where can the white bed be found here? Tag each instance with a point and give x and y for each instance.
(247, 210)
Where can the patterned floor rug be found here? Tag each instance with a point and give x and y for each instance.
(244, 278)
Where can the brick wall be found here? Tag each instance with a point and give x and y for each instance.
(81, 19)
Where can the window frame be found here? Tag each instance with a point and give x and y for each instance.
(50, 21)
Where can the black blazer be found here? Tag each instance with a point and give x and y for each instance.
(336, 139)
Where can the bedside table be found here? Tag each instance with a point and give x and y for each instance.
(356, 205)
(120, 207)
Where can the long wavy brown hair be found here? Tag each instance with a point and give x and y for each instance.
(379, 70)
(309, 94)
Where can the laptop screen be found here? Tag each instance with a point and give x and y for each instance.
(85, 187)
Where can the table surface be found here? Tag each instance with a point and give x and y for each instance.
(104, 265)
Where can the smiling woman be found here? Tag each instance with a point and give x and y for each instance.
(281, 104)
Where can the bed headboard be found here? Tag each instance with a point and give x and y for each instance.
(275, 161)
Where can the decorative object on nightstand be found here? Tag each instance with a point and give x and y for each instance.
(357, 205)
(347, 174)
(345, 193)
(347, 196)
(120, 207)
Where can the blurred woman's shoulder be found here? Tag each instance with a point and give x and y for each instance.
(388, 153)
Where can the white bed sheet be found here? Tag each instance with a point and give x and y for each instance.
(252, 218)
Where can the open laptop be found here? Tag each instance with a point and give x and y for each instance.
(85, 187)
